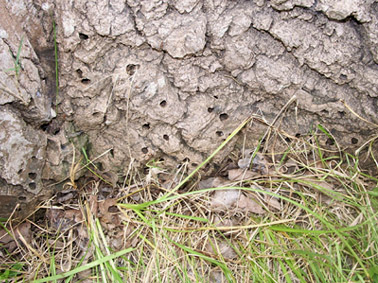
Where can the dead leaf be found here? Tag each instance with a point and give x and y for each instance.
(108, 216)
(241, 174)
(217, 276)
(249, 205)
(221, 247)
(213, 182)
(235, 201)
(8, 241)
(224, 200)
(73, 215)
(258, 164)
(223, 222)
(272, 202)
(63, 219)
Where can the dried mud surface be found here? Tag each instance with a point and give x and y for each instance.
(154, 79)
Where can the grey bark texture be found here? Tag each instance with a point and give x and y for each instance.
(172, 79)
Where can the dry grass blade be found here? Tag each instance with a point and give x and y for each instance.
(73, 170)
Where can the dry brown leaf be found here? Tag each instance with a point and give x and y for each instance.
(73, 215)
(213, 182)
(217, 276)
(259, 162)
(241, 174)
(106, 208)
(221, 247)
(272, 202)
(223, 222)
(249, 205)
(224, 200)
(63, 219)
(8, 241)
(235, 201)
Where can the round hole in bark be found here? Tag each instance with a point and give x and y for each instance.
(186, 159)
(145, 150)
(111, 152)
(287, 139)
(32, 186)
(79, 73)
(32, 175)
(330, 141)
(354, 141)
(163, 103)
(56, 131)
(324, 112)
(223, 116)
(85, 81)
(44, 127)
(210, 109)
(146, 126)
(131, 69)
(297, 135)
(83, 36)
(219, 133)
(166, 137)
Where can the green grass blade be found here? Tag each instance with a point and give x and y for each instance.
(85, 267)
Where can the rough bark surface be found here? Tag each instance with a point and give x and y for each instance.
(171, 79)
